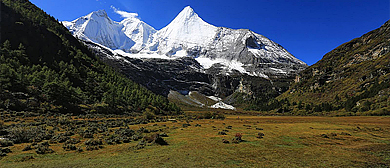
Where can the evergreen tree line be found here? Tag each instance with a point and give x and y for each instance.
(43, 67)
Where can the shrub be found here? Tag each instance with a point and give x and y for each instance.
(43, 148)
(2, 124)
(260, 135)
(93, 144)
(5, 143)
(211, 115)
(61, 138)
(148, 114)
(72, 141)
(69, 147)
(238, 135)
(22, 134)
(27, 148)
(237, 138)
(222, 133)
(155, 139)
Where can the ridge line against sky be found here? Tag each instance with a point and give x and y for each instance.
(308, 29)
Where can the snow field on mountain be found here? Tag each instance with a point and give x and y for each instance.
(185, 36)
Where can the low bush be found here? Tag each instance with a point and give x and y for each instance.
(93, 144)
(22, 134)
(6, 142)
(237, 138)
(43, 148)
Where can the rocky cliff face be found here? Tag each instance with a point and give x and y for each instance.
(186, 75)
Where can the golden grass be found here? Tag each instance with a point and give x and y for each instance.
(288, 142)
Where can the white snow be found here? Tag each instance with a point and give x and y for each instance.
(131, 34)
(186, 35)
(228, 64)
(142, 55)
(278, 70)
(223, 105)
(181, 53)
(187, 30)
(214, 98)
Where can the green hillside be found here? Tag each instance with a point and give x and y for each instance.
(352, 79)
(44, 68)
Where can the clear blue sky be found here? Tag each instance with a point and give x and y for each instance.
(306, 28)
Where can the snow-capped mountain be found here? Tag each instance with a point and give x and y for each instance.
(228, 50)
(186, 32)
(129, 35)
(138, 31)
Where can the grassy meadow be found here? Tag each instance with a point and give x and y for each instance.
(287, 142)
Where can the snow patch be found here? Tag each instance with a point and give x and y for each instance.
(214, 98)
(223, 105)
(180, 53)
(142, 55)
(278, 70)
(229, 64)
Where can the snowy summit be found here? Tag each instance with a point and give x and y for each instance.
(188, 35)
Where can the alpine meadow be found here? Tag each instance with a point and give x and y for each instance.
(95, 92)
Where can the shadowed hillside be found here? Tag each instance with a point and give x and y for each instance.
(44, 68)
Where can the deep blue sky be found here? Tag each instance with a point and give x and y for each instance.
(306, 28)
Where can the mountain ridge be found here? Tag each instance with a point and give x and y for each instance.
(45, 69)
(353, 79)
(189, 35)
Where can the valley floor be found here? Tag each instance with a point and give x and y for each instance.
(287, 142)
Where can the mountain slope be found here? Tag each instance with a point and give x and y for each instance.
(130, 35)
(51, 71)
(187, 30)
(213, 47)
(191, 55)
(354, 77)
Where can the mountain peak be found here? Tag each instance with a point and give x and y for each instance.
(187, 13)
(188, 10)
(187, 17)
(101, 12)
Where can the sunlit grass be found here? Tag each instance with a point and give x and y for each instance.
(288, 142)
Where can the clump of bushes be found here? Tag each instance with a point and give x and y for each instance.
(93, 144)
(225, 141)
(260, 135)
(4, 151)
(22, 134)
(210, 115)
(60, 138)
(69, 147)
(43, 148)
(6, 143)
(27, 148)
(237, 138)
(155, 139)
(222, 133)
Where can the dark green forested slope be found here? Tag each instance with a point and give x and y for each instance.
(44, 68)
(353, 79)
